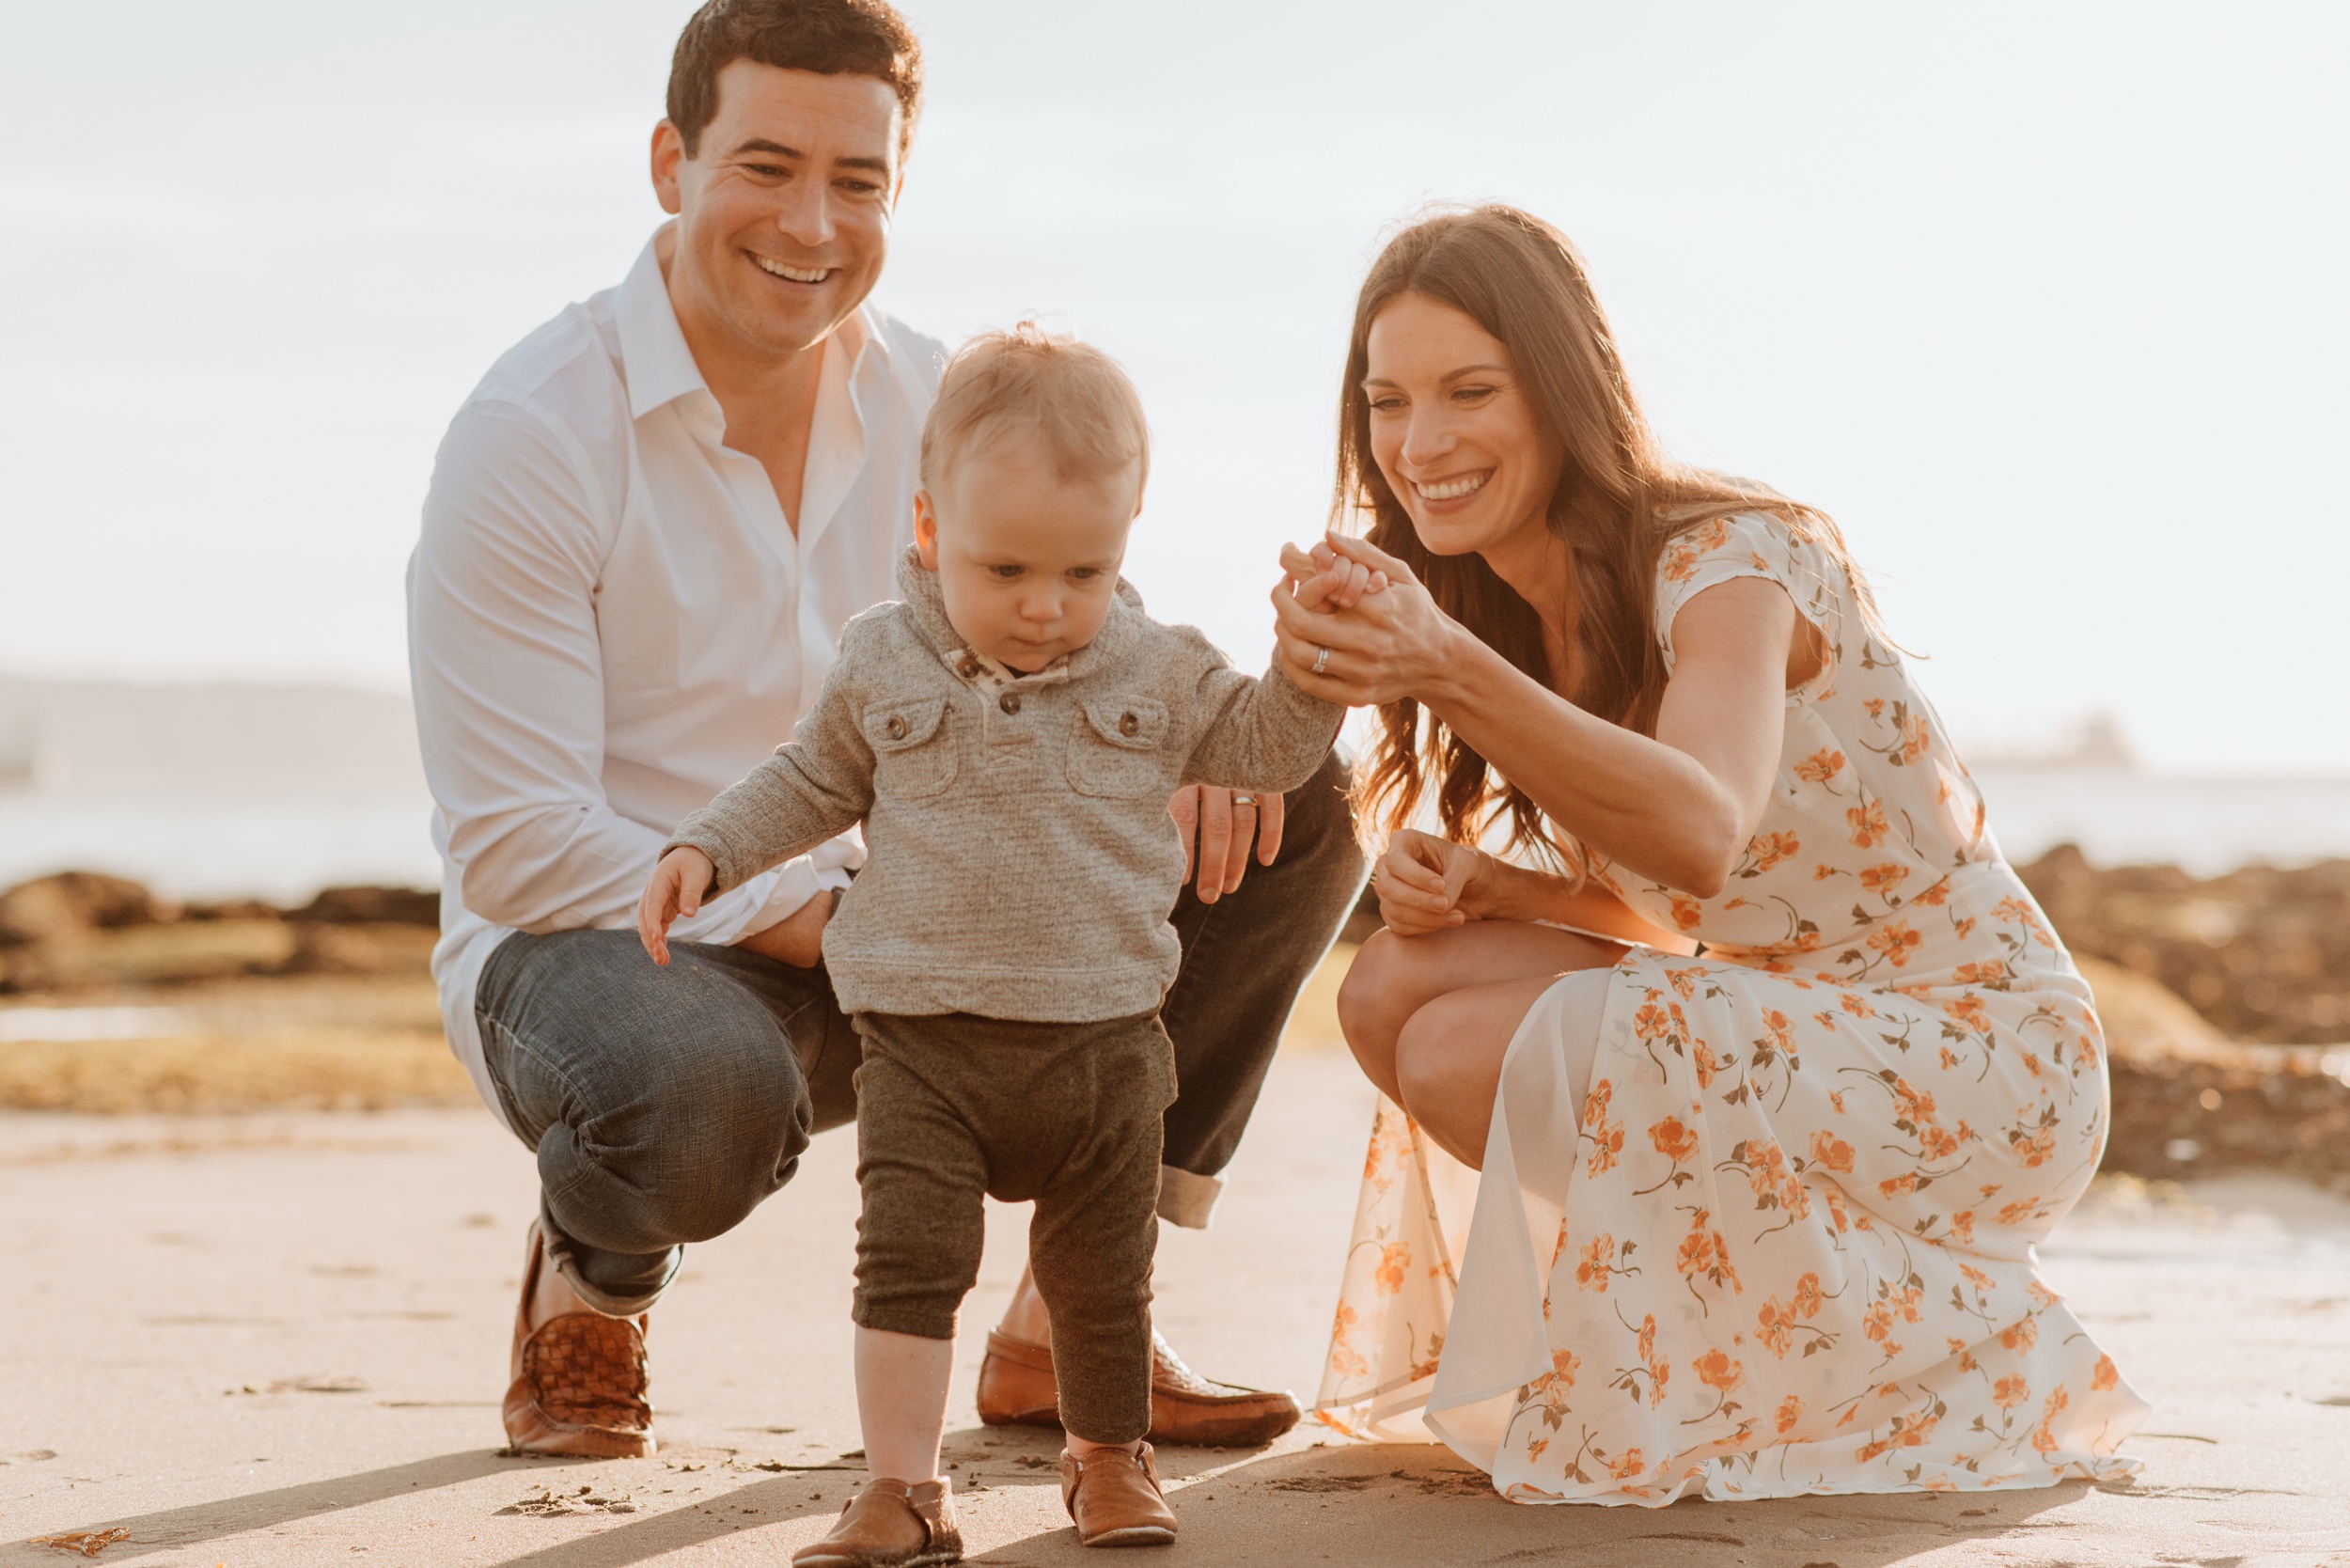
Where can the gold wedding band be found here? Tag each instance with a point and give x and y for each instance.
(1249, 801)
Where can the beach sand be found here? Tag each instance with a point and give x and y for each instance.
(281, 1340)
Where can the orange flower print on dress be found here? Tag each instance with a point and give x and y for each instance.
(1821, 766)
(1606, 1136)
(1879, 1073)
(1775, 1325)
(1967, 1010)
(1591, 1270)
(2043, 1438)
(1673, 1140)
(1884, 877)
(1394, 1259)
(1831, 1152)
(1895, 940)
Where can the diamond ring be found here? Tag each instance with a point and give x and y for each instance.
(1322, 660)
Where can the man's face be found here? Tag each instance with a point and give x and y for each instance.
(783, 213)
(1026, 561)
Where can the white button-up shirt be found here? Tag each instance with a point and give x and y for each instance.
(610, 620)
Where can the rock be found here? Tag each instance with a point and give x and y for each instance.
(353, 906)
(69, 905)
(2187, 1101)
(2145, 1020)
(384, 948)
(2262, 953)
(153, 955)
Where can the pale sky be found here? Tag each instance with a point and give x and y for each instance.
(2044, 303)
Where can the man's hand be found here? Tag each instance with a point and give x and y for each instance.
(798, 938)
(1219, 821)
(677, 888)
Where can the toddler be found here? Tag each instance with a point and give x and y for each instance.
(1009, 735)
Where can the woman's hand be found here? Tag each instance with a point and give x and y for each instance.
(1427, 883)
(677, 888)
(1382, 646)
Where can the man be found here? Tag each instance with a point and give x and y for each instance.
(645, 531)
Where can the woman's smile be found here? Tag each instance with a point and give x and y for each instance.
(1438, 494)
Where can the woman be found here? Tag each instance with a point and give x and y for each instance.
(1774, 1070)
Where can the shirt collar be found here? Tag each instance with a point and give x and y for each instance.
(654, 359)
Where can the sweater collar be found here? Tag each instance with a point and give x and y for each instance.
(919, 584)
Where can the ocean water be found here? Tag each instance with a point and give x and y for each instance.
(215, 845)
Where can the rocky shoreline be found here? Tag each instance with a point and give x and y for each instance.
(2226, 1002)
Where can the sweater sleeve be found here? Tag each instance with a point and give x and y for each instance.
(1260, 735)
(819, 784)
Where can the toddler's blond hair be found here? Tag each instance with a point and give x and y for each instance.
(1070, 394)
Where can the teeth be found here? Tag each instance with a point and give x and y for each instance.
(794, 274)
(1452, 489)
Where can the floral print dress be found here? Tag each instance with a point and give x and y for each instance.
(1781, 1241)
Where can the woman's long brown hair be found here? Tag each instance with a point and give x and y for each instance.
(1619, 503)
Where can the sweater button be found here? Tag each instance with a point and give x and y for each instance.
(1009, 702)
(969, 669)
(897, 727)
(1129, 726)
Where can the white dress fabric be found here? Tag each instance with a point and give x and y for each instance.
(1783, 1241)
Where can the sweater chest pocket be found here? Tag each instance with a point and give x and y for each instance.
(913, 747)
(1117, 749)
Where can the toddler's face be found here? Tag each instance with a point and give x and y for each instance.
(1026, 561)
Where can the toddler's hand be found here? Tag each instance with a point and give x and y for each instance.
(1324, 580)
(677, 887)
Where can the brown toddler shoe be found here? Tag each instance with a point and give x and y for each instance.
(889, 1525)
(1116, 1499)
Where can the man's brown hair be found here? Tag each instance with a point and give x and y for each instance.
(832, 38)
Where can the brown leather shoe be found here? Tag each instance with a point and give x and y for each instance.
(580, 1379)
(1116, 1499)
(1017, 1386)
(889, 1525)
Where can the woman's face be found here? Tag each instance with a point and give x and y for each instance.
(1453, 432)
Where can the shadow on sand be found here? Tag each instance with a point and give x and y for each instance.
(1364, 1506)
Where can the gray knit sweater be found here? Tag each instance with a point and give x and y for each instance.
(1022, 863)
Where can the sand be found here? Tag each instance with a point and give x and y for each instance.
(280, 1338)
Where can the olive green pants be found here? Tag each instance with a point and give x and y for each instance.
(956, 1108)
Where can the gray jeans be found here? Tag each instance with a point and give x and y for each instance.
(665, 1104)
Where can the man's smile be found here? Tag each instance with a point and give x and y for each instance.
(796, 275)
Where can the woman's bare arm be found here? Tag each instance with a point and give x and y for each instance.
(1679, 808)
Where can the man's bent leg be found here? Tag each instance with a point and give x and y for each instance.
(663, 1104)
(1245, 958)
